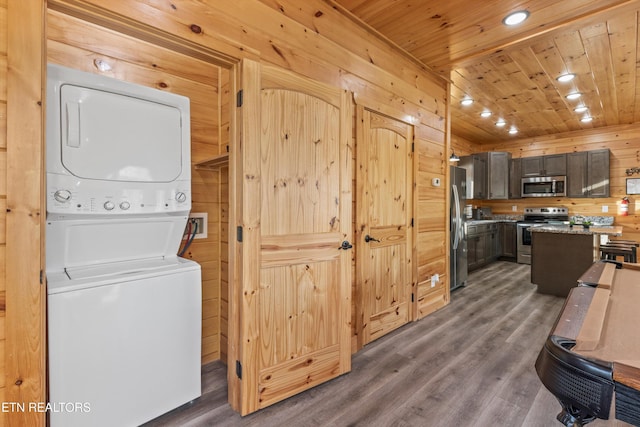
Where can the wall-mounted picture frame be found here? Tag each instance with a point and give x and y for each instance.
(633, 185)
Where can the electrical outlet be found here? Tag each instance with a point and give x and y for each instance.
(514, 208)
(605, 208)
(199, 220)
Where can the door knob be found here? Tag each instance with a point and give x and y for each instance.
(368, 239)
(345, 245)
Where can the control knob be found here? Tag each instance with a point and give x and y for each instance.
(109, 205)
(125, 205)
(181, 197)
(62, 196)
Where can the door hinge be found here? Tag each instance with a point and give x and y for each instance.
(413, 147)
(411, 222)
(238, 369)
(239, 233)
(239, 98)
(41, 277)
(412, 297)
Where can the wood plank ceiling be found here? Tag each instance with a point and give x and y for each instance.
(512, 71)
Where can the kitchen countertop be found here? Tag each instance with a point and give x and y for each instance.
(609, 230)
(488, 221)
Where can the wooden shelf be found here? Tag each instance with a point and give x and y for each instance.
(214, 162)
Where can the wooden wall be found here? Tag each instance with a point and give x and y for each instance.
(23, 305)
(225, 117)
(624, 145)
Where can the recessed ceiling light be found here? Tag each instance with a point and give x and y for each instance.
(574, 95)
(515, 18)
(586, 119)
(565, 77)
(500, 123)
(513, 130)
(466, 101)
(485, 114)
(580, 109)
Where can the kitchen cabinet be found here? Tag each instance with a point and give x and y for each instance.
(498, 175)
(492, 242)
(508, 242)
(476, 167)
(475, 252)
(551, 165)
(515, 179)
(588, 174)
(483, 244)
(487, 175)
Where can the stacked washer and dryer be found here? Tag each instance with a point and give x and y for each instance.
(124, 311)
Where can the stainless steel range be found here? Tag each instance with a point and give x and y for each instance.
(536, 217)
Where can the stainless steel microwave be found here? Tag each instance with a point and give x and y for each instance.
(544, 186)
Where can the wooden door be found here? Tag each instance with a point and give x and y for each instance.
(385, 210)
(293, 284)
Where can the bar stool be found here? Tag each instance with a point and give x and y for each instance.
(625, 248)
(623, 242)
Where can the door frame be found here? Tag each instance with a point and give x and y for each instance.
(361, 216)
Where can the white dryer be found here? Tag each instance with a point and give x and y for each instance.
(124, 311)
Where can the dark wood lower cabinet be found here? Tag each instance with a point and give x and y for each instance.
(508, 240)
(483, 244)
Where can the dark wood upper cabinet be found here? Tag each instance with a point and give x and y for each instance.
(588, 174)
(551, 165)
(498, 175)
(487, 175)
(515, 179)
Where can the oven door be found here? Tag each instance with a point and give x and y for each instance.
(524, 242)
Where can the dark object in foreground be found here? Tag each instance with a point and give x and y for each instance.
(591, 354)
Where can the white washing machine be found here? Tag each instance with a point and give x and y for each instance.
(124, 311)
(124, 345)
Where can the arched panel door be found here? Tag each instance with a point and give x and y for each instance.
(293, 287)
(384, 264)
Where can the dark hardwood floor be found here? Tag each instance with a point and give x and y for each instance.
(469, 364)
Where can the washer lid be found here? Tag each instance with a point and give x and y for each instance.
(96, 276)
(126, 268)
(109, 136)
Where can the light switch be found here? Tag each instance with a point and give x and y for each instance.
(605, 208)
(435, 279)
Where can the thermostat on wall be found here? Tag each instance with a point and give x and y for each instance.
(435, 182)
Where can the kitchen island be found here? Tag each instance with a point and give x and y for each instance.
(560, 254)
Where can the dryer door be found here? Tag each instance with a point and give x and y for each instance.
(108, 136)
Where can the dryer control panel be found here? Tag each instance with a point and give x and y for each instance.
(68, 196)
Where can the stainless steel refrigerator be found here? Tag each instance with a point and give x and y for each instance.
(458, 228)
